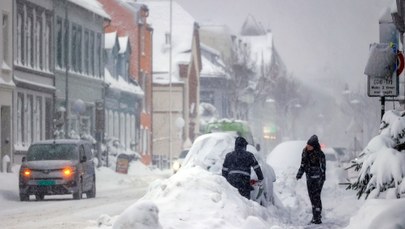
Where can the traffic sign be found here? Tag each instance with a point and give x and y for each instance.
(379, 87)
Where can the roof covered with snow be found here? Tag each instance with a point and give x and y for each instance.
(212, 64)
(92, 6)
(182, 33)
(261, 48)
(121, 84)
(109, 40)
(123, 41)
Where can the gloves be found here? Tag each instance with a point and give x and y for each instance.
(298, 177)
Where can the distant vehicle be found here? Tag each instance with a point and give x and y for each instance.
(55, 167)
(209, 150)
(241, 128)
(178, 162)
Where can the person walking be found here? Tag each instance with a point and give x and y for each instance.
(313, 164)
(237, 166)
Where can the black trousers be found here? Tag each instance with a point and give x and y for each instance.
(241, 182)
(314, 187)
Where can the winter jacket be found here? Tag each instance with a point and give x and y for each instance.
(240, 161)
(313, 163)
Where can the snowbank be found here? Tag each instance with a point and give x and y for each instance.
(377, 213)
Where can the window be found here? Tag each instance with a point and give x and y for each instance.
(116, 125)
(38, 119)
(20, 39)
(133, 128)
(100, 62)
(86, 52)
(37, 44)
(29, 120)
(66, 45)
(48, 46)
(59, 41)
(106, 129)
(110, 123)
(20, 118)
(122, 128)
(128, 131)
(28, 41)
(79, 48)
(76, 55)
(5, 36)
(92, 53)
(73, 47)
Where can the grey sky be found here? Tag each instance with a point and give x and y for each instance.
(322, 40)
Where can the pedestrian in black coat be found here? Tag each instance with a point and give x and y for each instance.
(313, 163)
(237, 166)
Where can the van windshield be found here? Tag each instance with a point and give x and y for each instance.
(44, 152)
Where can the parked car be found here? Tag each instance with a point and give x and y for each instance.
(209, 150)
(178, 162)
(55, 167)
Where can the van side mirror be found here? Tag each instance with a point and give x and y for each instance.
(83, 159)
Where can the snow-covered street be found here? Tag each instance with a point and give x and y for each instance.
(115, 192)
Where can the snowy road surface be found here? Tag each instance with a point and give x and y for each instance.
(115, 192)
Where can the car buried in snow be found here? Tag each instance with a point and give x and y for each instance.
(209, 150)
(56, 167)
(179, 161)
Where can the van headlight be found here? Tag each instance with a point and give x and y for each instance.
(176, 165)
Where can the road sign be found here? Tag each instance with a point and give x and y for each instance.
(378, 87)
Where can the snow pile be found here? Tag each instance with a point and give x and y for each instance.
(141, 215)
(286, 155)
(382, 161)
(376, 214)
(197, 196)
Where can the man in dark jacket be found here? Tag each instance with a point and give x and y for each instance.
(314, 165)
(236, 168)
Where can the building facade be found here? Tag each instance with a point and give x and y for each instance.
(123, 96)
(79, 68)
(176, 71)
(7, 85)
(130, 19)
(33, 73)
(214, 81)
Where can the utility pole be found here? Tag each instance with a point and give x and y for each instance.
(66, 56)
(170, 85)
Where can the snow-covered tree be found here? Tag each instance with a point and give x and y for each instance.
(381, 164)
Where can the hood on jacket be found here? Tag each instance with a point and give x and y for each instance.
(240, 143)
(314, 142)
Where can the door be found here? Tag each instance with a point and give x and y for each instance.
(5, 126)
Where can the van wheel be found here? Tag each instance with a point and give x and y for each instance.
(39, 197)
(92, 192)
(24, 197)
(78, 195)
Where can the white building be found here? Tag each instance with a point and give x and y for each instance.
(175, 80)
(6, 83)
(33, 73)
